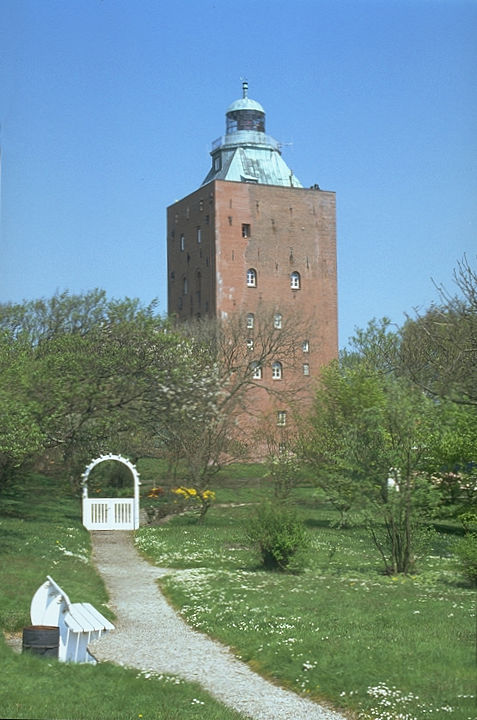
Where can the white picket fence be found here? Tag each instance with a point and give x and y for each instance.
(110, 514)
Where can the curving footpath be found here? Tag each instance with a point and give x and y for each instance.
(149, 635)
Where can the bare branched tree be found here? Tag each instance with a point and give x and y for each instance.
(439, 347)
(201, 411)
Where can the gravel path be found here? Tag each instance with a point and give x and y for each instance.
(150, 636)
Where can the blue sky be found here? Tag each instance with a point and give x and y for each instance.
(109, 107)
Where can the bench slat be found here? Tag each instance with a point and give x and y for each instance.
(83, 617)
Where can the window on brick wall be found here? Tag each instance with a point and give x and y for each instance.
(277, 321)
(295, 281)
(277, 370)
(251, 278)
(245, 230)
(282, 417)
(306, 369)
(250, 343)
(256, 371)
(305, 346)
(182, 243)
(199, 235)
(250, 320)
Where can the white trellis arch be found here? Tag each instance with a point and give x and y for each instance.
(111, 513)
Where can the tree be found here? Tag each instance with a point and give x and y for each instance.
(20, 434)
(452, 456)
(439, 347)
(366, 442)
(88, 365)
(202, 408)
(103, 374)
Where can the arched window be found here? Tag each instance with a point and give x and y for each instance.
(277, 321)
(295, 280)
(251, 278)
(277, 370)
(257, 371)
(250, 321)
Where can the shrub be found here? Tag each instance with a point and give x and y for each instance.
(466, 550)
(278, 534)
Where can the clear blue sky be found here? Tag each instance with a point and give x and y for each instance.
(109, 108)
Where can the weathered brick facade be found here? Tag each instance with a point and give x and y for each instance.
(252, 239)
(220, 232)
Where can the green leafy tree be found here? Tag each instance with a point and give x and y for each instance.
(452, 456)
(367, 443)
(20, 433)
(89, 365)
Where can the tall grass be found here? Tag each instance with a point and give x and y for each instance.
(384, 647)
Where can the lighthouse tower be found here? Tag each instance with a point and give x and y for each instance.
(251, 236)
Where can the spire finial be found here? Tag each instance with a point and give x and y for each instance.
(244, 88)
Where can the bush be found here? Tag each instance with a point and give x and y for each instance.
(466, 550)
(278, 534)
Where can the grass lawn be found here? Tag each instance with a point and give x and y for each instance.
(46, 537)
(384, 647)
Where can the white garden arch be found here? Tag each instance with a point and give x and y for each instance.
(111, 513)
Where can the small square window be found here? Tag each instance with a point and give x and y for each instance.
(245, 230)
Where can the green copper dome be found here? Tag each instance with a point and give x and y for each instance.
(246, 153)
(245, 103)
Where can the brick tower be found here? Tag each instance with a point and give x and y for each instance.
(251, 236)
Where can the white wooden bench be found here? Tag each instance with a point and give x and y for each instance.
(79, 623)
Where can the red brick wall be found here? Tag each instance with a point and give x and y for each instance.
(291, 230)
